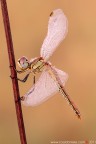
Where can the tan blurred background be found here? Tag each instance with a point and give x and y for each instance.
(53, 120)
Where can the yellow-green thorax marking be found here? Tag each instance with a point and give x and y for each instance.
(38, 65)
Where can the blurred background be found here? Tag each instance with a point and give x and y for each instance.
(53, 121)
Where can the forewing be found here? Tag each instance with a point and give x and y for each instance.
(44, 88)
(57, 30)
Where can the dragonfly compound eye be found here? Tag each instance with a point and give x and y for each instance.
(23, 62)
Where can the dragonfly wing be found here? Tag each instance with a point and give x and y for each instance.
(44, 88)
(57, 30)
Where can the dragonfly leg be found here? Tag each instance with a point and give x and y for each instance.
(18, 71)
(20, 99)
(13, 77)
(22, 80)
(34, 79)
(25, 78)
(11, 66)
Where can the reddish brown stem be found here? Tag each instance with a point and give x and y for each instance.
(13, 72)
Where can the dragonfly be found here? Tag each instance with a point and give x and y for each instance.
(51, 80)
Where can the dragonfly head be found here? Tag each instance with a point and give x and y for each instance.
(23, 63)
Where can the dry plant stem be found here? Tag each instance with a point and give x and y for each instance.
(13, 72)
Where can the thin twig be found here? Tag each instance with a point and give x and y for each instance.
(13, 72)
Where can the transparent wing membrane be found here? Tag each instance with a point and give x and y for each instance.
(57, 30)
(45, 87)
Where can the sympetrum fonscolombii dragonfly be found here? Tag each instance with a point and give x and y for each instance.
(52, 79)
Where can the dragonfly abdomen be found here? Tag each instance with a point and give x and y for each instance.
(66, 96)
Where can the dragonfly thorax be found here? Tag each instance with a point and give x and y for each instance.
(38, 65)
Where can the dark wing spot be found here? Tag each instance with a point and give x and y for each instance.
(51, 13)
